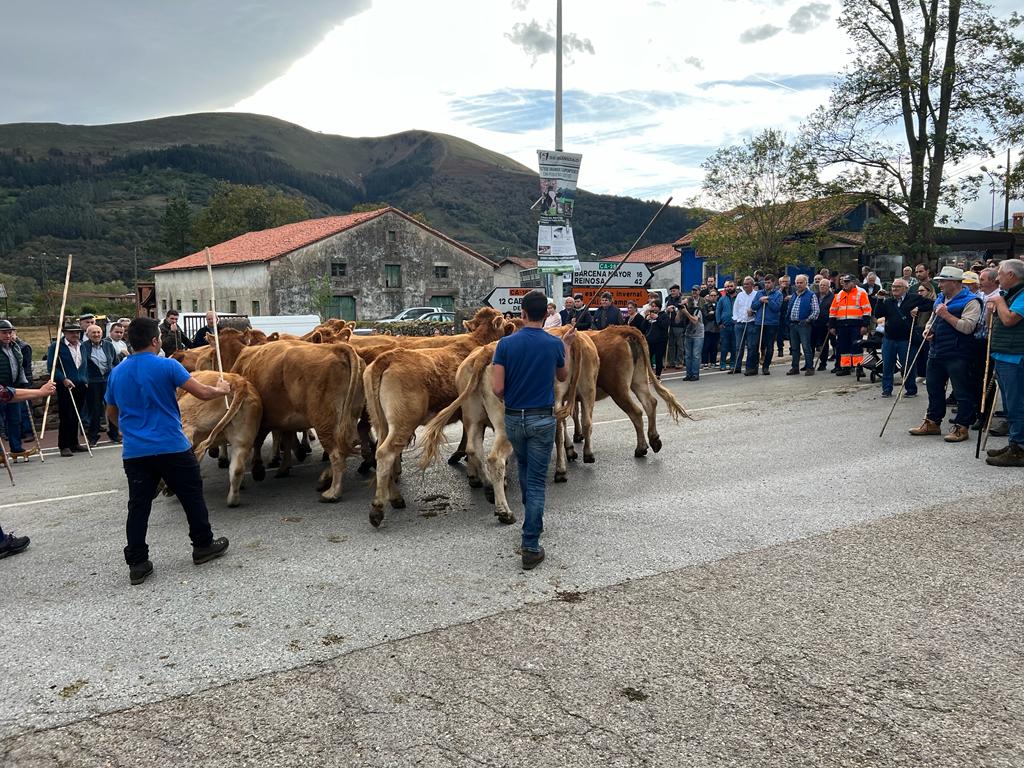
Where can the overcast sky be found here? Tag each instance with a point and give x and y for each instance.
(651, 87)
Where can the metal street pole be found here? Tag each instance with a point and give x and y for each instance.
(558, 77)
(1006, 191)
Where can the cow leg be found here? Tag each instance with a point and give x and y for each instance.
(259, 471)
(303, 450)
(388, 451)
(275, 451)
(561, 468)
(587, 416)
(473, 443)
(577, 433)
(563, 435)
(239, 458)
(367, 446)
(629, 406)
(223, 457)
(650, 406)
(287, 440)
(461, 452)
(497, 461)
(330, 479)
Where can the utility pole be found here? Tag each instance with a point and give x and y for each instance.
(549, 279)
(1006, 192)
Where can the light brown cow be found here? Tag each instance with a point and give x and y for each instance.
(307, 385)
(626, 368)
(211, 423)
(406, 387)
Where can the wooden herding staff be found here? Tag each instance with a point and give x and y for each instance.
(56, 348)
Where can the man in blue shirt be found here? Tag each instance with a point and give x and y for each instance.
(767, 303)
(1008, 356)
(141, 402)
(525, 366)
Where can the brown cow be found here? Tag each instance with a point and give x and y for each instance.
(406, 387)
(211, 423)
(626, 368)
(307, 385)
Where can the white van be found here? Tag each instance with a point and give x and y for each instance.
(293, 324)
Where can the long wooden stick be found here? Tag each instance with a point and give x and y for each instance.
(903, 378)
(599, 291)
(56, 346)
(35, 434)
(988, 422)
(213, 308)
(8, 460)
(984, 381)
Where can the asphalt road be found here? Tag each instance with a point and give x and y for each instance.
(778, 586)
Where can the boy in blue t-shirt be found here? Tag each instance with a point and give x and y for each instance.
(142, 403)
(525, 367)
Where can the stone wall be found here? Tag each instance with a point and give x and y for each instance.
(242, 284)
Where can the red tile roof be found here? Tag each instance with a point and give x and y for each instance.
(522, 262)
(270, 244)
(653, 254)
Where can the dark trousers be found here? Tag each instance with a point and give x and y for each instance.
(956, 371)
(821, 339)
(180, 471)
(67, 400)
(11, 414)
(658, 358)
(767, 341)
(922, 356)
(800, 339)
(94, 397)
(709, 353)
(782, 336)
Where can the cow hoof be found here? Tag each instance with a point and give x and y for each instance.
(283, 472)
(376, 516)
(640, 453)
(323, 485)
(656, 444)
(489, 494)
(275, 462)
(506, 518)
(398, 503)
(571, 455)
(223, 462)
(302, 452)
(456, 457)
(232, 503)
(561, 477)
(324, 499)
(365, 468)
(259, 473)
(214, 452)
(577, 438)
(476, 482)
(588, 458)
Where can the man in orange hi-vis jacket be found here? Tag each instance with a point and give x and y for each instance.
(848, 320)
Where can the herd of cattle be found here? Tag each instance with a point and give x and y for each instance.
(371, 394)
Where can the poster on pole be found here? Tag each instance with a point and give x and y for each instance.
(556, 248)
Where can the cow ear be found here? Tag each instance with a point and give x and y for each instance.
(466, 326)
(317, 337)
(498, 322)
(344, 334)
(273, 337)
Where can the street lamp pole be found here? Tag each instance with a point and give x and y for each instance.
(992, 187)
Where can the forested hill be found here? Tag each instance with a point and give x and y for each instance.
(101, 191)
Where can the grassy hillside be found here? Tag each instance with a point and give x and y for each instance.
(100, 191)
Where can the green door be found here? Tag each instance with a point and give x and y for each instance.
(343, 307)
(447, 303)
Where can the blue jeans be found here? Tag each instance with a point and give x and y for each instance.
(1011, 386)
(800, 339)
(741, 343)
(691, 351)
(955, 370)
(727, 340)
(890, 349)
(532, 439)
(11, 413)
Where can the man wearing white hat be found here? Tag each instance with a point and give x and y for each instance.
(950, 355)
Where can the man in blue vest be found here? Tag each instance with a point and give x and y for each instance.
(767, 304)
(1008, 357)
(803, 310)
(950, 354)
(723, 316)
(72, 377)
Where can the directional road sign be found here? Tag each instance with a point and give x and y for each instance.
(506, 299)
(594, 273)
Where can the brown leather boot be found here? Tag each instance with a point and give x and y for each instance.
(958, 434)
(928, 427)
(999, 451)
(1013, 456)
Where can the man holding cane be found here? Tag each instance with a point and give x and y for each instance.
(1008, 356)
(141, 402)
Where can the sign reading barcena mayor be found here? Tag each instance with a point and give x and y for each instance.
(594, 273)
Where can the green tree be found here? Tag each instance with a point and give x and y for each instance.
(767, 188)
(235, 209)
(176, 226)
(933, 83)
(320, 295)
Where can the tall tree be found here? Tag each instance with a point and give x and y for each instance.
(235, 209)
(932, 83)
(767, 188)
(176, 226)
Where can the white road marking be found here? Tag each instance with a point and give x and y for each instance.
(60, 498)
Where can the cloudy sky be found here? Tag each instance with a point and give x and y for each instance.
(651, 87)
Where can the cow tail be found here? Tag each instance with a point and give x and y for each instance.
(565, 408)
(675, 408)
(371, 386)
(236, 403)
(433, 432)
(351, 393)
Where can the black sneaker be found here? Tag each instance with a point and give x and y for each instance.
(532, 559)
(12, 545)
(211, 551)
(765, 372)
(139, 572)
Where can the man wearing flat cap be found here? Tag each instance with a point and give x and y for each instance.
(72, 378)
(950, 355)
(12, 374)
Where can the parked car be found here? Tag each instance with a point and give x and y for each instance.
(438, 317)
(411, 313)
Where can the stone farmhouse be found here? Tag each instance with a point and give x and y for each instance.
(371, 264)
